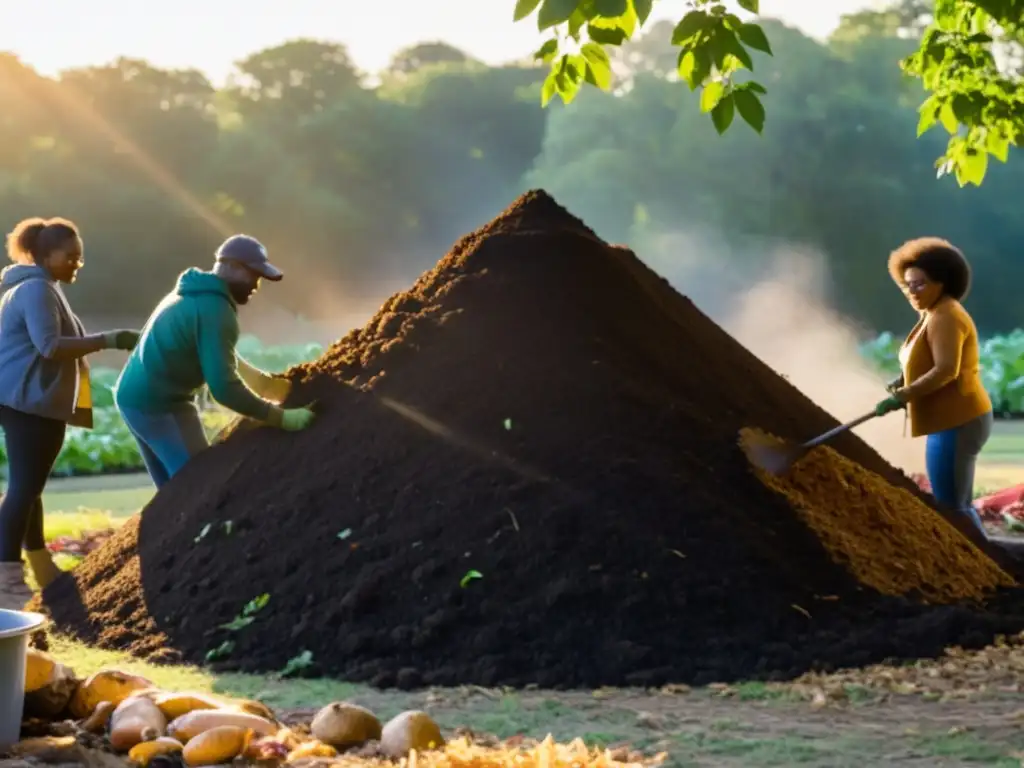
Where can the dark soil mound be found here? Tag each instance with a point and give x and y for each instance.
(544, 410)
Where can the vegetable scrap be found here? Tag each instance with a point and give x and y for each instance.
(115, 712)
(889, 539)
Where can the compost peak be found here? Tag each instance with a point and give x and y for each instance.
(525, 471)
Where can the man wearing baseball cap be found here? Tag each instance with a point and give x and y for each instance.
(190, 341)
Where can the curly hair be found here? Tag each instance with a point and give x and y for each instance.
(939, 259)
(33, 239)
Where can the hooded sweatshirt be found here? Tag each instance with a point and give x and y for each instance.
(34, 316)
(189, 341)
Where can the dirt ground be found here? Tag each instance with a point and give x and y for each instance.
(748, 725)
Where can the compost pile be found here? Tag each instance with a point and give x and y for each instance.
(525, 470)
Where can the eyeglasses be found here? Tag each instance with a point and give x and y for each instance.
(916, 286)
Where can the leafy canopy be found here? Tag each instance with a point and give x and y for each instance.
(968, 62)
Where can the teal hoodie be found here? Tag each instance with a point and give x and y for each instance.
(189, 341)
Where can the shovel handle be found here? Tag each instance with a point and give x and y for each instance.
(839, 430)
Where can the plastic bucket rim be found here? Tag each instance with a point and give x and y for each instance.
(31, 622)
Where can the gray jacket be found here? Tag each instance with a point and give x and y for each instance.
(34, 316)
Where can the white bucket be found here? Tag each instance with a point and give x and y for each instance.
(15, 628)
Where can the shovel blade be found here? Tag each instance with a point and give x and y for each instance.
(776, 457)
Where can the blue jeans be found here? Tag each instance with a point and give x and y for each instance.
(167, 439)
(950, 458)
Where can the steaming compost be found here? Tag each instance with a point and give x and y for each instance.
(525, 470)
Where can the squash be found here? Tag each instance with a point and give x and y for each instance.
(39, 667)
(97, 722)
(345, 725)
(143, 753)
(174, 705)
(136, 719)
(49, 686)
(311, 749)
(221, 744)
(106, 685)
(188, 727)
(410, 730)
(252, 707)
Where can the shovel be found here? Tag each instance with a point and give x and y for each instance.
(777, 458)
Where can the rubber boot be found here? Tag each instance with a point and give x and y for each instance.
(14, 592)
(43, 568)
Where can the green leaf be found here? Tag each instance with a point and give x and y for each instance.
(547, 51)
(468, 577)
(750, 108)
(626, 24)
(756, 87)
(929, 116)
(643, 10)
(723, 113)
(691, 24)
(548, 90)
(971, 167)
(965, 109)
(570, 76)
(555, 12)
(948, 119)
(606, 35)
(750, 5)
(576, 22)
(712, 94)
(730, 44)
(753, 36)
(524, 8)
(610, 9)
(694, 66)
(998, 144)
(599, 66)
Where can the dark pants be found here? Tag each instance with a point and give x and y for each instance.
(33, 443)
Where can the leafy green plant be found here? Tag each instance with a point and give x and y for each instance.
(248, 614)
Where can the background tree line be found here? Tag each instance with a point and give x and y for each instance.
(353, 180)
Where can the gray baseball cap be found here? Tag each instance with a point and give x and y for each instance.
(249, 251)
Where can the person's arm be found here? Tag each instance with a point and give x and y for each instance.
(946, 340)
(267, 386)
(42, 318)
(218, 334)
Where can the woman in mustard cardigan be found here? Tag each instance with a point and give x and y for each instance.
(941, 384)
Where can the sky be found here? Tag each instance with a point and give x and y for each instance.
(51, 35)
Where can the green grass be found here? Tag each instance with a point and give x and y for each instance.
(118, 495)
(279, 694)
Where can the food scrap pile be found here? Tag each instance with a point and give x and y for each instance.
(886, 536)
(525, 471)
(71, 721)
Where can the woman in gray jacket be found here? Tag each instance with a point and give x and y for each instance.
(44, 386)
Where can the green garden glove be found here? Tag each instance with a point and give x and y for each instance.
(888, 405)
(292, 419)
(124, 340)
